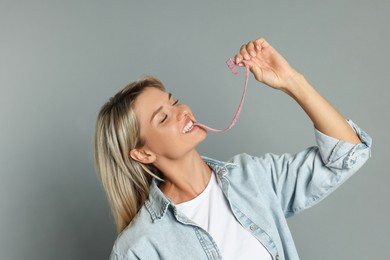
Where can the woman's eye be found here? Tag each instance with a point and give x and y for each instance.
(164, 118)
(165, 115)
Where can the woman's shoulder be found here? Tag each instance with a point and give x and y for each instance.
(148, 227)
(132, 238)
(140, 226)
(236, 160)
(242, 165)
(150, 236)
(239, 160)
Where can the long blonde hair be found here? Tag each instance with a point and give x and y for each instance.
(125, 180)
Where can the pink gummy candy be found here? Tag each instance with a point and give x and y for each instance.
(232, 66)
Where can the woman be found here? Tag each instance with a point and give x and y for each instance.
(171, 203)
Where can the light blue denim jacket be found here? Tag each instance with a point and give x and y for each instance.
(262, 192)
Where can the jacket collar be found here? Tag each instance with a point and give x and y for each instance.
(157, 203)
(218, 166)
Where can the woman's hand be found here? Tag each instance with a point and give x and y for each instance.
(269, 67)
(266, 64)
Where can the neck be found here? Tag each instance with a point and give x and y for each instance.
(185, 178)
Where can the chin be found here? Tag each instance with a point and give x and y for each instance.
(203, 135)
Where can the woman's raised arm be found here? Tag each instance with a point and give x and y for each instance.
(270, 68)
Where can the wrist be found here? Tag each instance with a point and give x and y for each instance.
(296, 86)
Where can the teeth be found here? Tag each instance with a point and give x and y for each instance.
(188, 127)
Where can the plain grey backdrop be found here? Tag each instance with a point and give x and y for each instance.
(61, 60)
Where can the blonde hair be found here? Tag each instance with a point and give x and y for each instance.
(125, 180)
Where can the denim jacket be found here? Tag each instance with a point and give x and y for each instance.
(262, 192)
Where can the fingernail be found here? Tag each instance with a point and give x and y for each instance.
(258, 47)
(238, 60)
(246, 56)
(253, 53)
(240, 64)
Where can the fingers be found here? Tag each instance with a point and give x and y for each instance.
(238, 58)
(249, 51)
(245, 53)
(261, 43)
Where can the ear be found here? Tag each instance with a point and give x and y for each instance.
(142, 156)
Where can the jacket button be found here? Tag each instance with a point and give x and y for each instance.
(253, 227)
(276, 257)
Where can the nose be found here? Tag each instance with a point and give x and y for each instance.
(182, 113)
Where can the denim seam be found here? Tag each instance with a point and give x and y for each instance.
(333, 152)
(119, 256)
(202, 241)
(269, 238)
(349, 160)
(151, 211)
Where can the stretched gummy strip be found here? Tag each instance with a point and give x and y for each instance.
(232, 66)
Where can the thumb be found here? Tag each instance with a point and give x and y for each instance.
(256, 70)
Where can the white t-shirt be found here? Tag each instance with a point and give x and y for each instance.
(211, 211)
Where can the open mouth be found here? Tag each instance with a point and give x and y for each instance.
(188, 127)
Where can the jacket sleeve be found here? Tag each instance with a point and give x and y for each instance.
(303, 179)
(129, 256)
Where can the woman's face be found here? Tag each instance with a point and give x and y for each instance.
(166, 124)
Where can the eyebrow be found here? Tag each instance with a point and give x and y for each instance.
(159, 109)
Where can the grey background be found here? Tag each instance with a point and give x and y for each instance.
(61, 60)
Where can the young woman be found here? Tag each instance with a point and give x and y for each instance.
(171, 203)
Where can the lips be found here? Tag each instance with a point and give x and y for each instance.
(188, 127)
